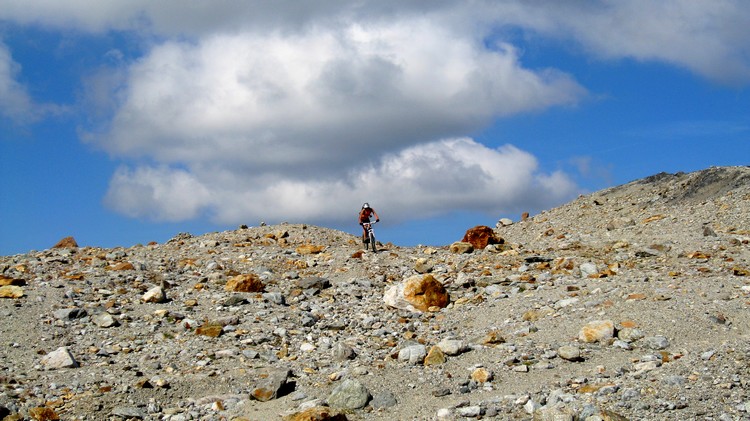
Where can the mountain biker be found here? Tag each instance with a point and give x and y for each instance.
(364, 217)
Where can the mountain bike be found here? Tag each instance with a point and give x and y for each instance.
(370, 235)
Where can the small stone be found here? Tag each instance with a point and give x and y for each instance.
(342, 352)
(383, 400)
(569, 353)
(43, 414)
(350, 394)
(11, 291)
(60, 358)
(210, 329)
(316, 413)
(272, 384)
(249, 282)
(154, 295)
(309, 249)
(656, 342)
(461, 247)
(473, 411)
(128, 412)
(481, 375)
(413, 354)
(452, 346)
(67, 242)
(70, 313)
(104, 320)
(597, 331)
(435, 357)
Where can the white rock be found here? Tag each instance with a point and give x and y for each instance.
(59, 358)
(154, 295)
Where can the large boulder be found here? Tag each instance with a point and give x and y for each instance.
(481, 236)
(417, 293)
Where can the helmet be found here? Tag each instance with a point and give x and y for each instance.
(366, 206)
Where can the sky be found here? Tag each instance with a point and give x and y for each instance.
(129, 121)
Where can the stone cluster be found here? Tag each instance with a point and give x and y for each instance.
(629, 303)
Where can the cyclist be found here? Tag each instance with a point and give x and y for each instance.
(364, 217)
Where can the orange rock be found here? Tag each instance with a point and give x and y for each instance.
(597, 331)
(309, 249)
(318, 413)
(67, 242)
(43, 414)
(249, 282)
(424, 292)
(212, 330)
(11, 291)
(122, 266)
(481, 375)
(481, 236)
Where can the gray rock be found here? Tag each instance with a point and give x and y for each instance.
(656, 342)
(104, 320)
(70, 313)
(413, 354)
(383, 400)
(350, 394)
(129, 412)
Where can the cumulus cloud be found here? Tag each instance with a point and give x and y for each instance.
(264, 123)
(420, 181)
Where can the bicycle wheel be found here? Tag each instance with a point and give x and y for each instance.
(372, 242)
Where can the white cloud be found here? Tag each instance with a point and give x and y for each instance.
(161, 193)
(266, 123)
(421, 181)
(15, 103)
(710, 38)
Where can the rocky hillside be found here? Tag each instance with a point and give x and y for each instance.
(626, 304)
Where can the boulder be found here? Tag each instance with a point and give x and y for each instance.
(417, 293)
(481, 236)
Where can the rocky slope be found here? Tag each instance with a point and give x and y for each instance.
(628, 303)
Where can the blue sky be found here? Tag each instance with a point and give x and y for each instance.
(124, 122)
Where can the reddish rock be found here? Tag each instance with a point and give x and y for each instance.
(67, 242)
(249, 282)
(481, 236)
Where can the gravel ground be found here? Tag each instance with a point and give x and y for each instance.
(628, 303)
